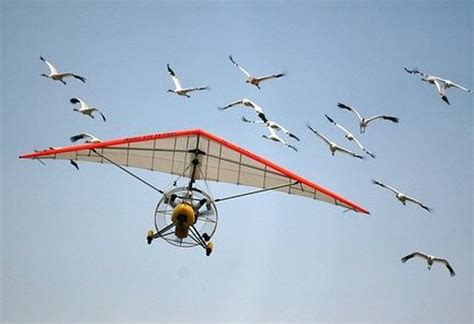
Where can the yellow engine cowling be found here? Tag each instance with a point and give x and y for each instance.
(183, 216)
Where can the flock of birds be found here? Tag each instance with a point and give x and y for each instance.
(442, 85)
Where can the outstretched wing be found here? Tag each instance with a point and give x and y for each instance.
(173, 76)
(343, 106)
(385, 186)
(218, 160)
(315, 132)
(51, 67)
(238, 65)
(414, 254)
(197, 89)
(455, 85)
(413, 200)
(344, 150)
(385, 117)
(414, 71)
(78, 101)
(446, 263)
(337, 125)
(270, 76)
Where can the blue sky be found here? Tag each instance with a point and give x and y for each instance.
(73, 243)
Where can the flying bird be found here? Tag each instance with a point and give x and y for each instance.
(349, 136)
(442, 85)
(363, 122)
(402, 197)
(86, 136)
(247, 103)
(430, 260)
(274, 137)
(272, 125)
(85, 109)
(179, 90)
(255, 80)
(55, 75)
(333, 147)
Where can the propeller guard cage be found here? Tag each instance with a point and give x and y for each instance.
(205, 217)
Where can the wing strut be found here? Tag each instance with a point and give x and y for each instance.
(126, 171)
(256, 191)
(195, 163)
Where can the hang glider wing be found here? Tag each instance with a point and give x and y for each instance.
(215, 158)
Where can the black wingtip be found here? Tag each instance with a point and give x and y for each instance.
(329, 118)
(74, 164)
(342, 106)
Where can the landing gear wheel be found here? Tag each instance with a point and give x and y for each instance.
(209, 248)
(149, 236)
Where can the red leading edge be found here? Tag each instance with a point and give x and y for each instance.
(200, 132)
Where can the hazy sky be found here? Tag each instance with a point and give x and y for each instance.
(73, 242)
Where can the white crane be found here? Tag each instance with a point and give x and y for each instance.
(363, 122)
(85, 109)
(333, 147)
(179, 90)
(247, 103)
(272, 125)
(441, 84)
(86, 136)
(256, 80)
(349, 136)
(274, 137)
(402, 197)
(55, 75)
(430, 260)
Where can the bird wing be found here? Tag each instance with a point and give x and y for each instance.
(391, 118)
(74, 163)
(452, 84)
(344, 150)
(343, 106)
(233, 103)
(414, 71)
(359, 144)
(385, 186)
(175, 79)
(254, 106)
(52, 69)
(278, 127)
(324, 138)
(79, 77)
(78, 137)
(446, 263)
(440, 86)
(78, 101)
(409, 256)
(103, 116)
(196, 89)
(337, 125)
(270, 76)
(244, 119)
(237, 65)
(273, 133)
(284, 130)
(413, 200)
